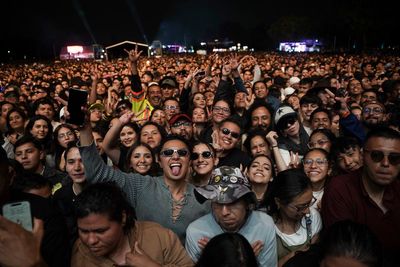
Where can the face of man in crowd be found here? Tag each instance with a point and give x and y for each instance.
(74, 166)
(171, 107)
(29, 156)
(261, 117)
(320, 120)
(183, 128)
(229, 135)
(167, 91)
(150, 135)
(260, 90)
(230, 216)
(373, 114)
(379, 168)
(45, 110)
(154, 95)
(351, 160)
(306, 109)
(101, 235)
(176, 165)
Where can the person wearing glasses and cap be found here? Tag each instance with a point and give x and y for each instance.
(370, 195)
(167, 199)
(232, 211)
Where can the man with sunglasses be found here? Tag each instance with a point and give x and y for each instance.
(167, 200)
(227, 139)
(371, 195)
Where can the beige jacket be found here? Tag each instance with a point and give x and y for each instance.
(159, 243)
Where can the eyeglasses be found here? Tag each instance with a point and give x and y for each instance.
(181, 123)
(373, 110)
(221, 109)
(289, 122)
(318, 161)
(170, 152)
(320, 142)
(204, 154)
(171, 107)
(303, 207)
(226, 131)
(64, 135)
(377, 156)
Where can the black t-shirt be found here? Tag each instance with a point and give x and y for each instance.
(235, 158)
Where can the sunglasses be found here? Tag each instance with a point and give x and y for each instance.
(289, 122)
(226, 131)
(170, 152)
(377, 156)
(204, 154)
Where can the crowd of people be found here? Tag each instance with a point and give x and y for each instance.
(261, 159)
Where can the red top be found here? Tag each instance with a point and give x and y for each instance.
(345, 198)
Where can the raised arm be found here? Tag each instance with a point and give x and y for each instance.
(133, 57)
(110, 142)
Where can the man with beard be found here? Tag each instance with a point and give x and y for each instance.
(181, 125)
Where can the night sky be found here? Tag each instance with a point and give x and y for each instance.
(41, 28)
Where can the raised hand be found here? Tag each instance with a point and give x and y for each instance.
(272, 138)
(133, 55)
(19, 247)
(257, 247)
(234, 62)
(202, 242)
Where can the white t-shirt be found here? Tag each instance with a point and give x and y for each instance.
(300, 237)
(318, 195)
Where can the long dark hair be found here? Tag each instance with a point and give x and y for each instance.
(127, 168)
(228, 250)
(287, 186)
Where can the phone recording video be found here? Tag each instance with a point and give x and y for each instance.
(76, 100)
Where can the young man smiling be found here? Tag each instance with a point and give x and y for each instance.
(152, 197)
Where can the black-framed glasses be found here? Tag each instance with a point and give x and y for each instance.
(226, 131)
(169, 152)
(320, 162)
(204, 154)
(221, 109)
(377, 156)
(303, 207)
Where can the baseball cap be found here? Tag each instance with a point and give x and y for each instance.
(96, 106)
(293, 80)
(226, 185)
(179, 117)
(283, 112)
(168, 82)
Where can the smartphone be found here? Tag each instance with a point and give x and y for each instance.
(20, 213)
(76, 100)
